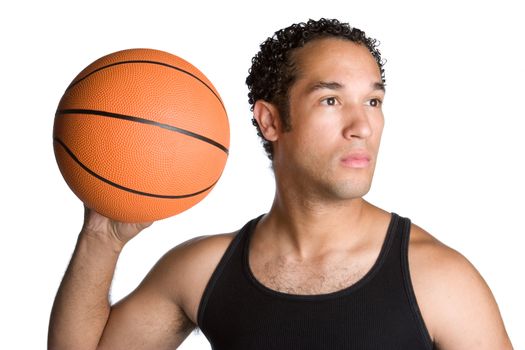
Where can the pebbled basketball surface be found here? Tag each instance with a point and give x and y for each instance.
(141, 128)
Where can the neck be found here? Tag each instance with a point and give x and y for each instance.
(308, 227)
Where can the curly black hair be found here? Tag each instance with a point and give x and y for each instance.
(273, 70)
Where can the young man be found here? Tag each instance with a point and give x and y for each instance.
(323, 269)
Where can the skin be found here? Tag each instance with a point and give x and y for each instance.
(318, 223)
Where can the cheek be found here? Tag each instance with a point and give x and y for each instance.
(316, 131)
(378, 123)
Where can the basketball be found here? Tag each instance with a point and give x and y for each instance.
(141, 135)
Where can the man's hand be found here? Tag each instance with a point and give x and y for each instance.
(118, 232)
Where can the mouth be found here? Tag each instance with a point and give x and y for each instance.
(356, 160)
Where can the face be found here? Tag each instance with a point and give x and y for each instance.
(336, 118)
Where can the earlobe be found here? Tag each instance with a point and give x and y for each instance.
(267, 116)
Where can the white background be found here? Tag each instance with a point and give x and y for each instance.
(451, 157)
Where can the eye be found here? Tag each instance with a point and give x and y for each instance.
(375, 102)
(329, 101)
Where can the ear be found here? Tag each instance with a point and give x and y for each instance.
(267, 116)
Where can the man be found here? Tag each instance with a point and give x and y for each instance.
(323, 269)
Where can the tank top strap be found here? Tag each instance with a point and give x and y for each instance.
(234, 249)
(396, 264)
(396, 233)
(404, 238)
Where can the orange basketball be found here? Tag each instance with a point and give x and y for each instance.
(141, 135)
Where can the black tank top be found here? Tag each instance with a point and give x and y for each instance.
(378, 312)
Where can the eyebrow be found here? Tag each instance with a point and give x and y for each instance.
(379, 86)
(333, 85)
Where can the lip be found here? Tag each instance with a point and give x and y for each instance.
(356, 160)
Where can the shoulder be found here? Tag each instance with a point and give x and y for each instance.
(455, 301)
(209, 248)
(184, 271)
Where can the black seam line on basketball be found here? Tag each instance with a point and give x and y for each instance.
(143, 121)
(73, 83)
(72, 155)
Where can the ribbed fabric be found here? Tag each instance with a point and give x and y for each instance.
(378, 312)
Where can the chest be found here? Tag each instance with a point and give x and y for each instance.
(368, 317)
(310, 277)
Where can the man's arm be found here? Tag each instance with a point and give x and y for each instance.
(151, 317)
(82, 317)
(457, 304)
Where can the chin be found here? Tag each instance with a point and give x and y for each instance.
(351, 190)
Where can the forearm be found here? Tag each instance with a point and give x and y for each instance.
(81, 308)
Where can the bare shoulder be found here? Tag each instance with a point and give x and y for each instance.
(456, 303)
(209, 248)
(184, 271)
(189, 266)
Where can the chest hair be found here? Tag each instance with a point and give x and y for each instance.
(309, 278)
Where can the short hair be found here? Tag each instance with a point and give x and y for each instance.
(273, 70)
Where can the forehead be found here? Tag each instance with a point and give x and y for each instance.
(335, 57)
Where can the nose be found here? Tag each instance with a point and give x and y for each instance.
(357, 123)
